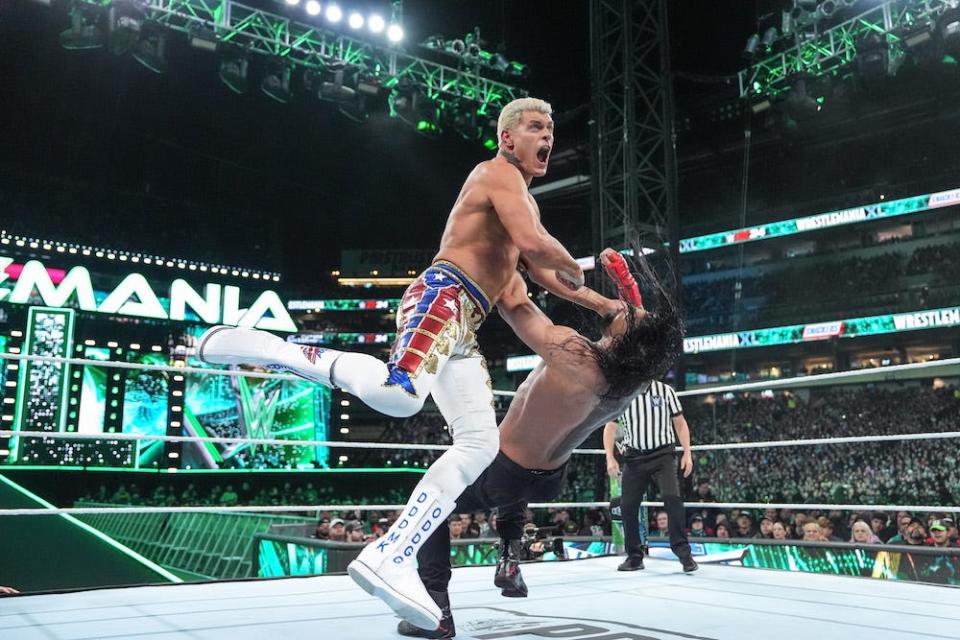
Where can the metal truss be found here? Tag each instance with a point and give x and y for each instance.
(820, 53)
(631, 113)
(309, 46)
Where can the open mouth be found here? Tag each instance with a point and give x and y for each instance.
(543, 153)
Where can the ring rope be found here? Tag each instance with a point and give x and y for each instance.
(116, 364)
(806, 381)
(534, 505)
(802, 381)
(68, 435)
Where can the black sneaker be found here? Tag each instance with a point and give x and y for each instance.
(446, 629)
(508, 577)
(632, 563)
(689, 564)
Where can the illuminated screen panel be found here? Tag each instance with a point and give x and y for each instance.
(866, 213)
(850, 328)
(145, 399)
(42, 386)
(93, 392)
(231, 406)
(345, 304)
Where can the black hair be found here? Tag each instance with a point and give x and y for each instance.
(648, 347)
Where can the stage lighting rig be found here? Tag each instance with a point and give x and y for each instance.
(312, 49)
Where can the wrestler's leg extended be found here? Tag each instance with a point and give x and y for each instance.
(465, 399)
(437, 317)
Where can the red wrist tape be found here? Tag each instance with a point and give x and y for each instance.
(619, 271)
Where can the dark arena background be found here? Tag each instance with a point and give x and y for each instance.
(788, 168)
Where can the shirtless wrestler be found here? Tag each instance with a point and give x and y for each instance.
(494, 225)
(579, 386)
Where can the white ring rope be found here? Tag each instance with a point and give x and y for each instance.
(115, 364)
(68, 435)
(814, 380)
(534, 505)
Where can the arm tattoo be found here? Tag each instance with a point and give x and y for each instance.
(512, 159)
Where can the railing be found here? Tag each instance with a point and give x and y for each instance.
(202, 545)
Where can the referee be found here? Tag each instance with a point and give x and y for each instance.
(652, 423)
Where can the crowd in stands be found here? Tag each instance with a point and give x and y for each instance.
(835, 286)
(922, 472)
(900, 472)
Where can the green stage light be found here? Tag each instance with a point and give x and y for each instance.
(84, 32)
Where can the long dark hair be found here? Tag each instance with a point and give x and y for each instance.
(648, 347)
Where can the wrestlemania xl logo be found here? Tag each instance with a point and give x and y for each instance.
(493, 623)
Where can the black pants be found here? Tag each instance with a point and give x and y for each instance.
(659, 466)
(505, 485)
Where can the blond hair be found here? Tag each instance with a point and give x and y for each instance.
(510, 115)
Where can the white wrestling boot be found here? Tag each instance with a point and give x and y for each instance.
(232, 345)
(386, 568)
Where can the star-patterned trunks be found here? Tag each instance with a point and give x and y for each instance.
(438, 315)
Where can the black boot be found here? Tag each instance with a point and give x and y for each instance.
(508, 576)
(446, 628)
(632, 563)
(689, 564)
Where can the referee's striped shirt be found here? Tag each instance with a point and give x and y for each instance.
(648, 421)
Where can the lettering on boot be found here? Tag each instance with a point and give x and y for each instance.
(400, 525)
(410, 549)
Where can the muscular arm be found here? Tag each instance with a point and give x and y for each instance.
(530, 324)
(508, 194)
(584, 296)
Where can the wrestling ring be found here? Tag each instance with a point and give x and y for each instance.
(588, 598)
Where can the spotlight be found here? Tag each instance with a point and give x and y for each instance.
(825, 10)
(334, 90)
(948, 26)
(499, 62)
(83, 32)
(125, 21)
(233, 71)
(417, 110)
(394, 33)
(750, 49)
(355, 20)
(799, 103)
(769, 38)
(313, 7)
(276, 84)
(333, 13)
(293, 3)
(433, 42)
(150, 50)
(786, 23)
(873, 59)
(456, 47)
(376, 23)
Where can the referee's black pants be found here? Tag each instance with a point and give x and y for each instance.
(639, 469)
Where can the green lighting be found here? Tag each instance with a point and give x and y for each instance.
(950, 60)
(821, 99)
(490, 144)
(425, 126)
